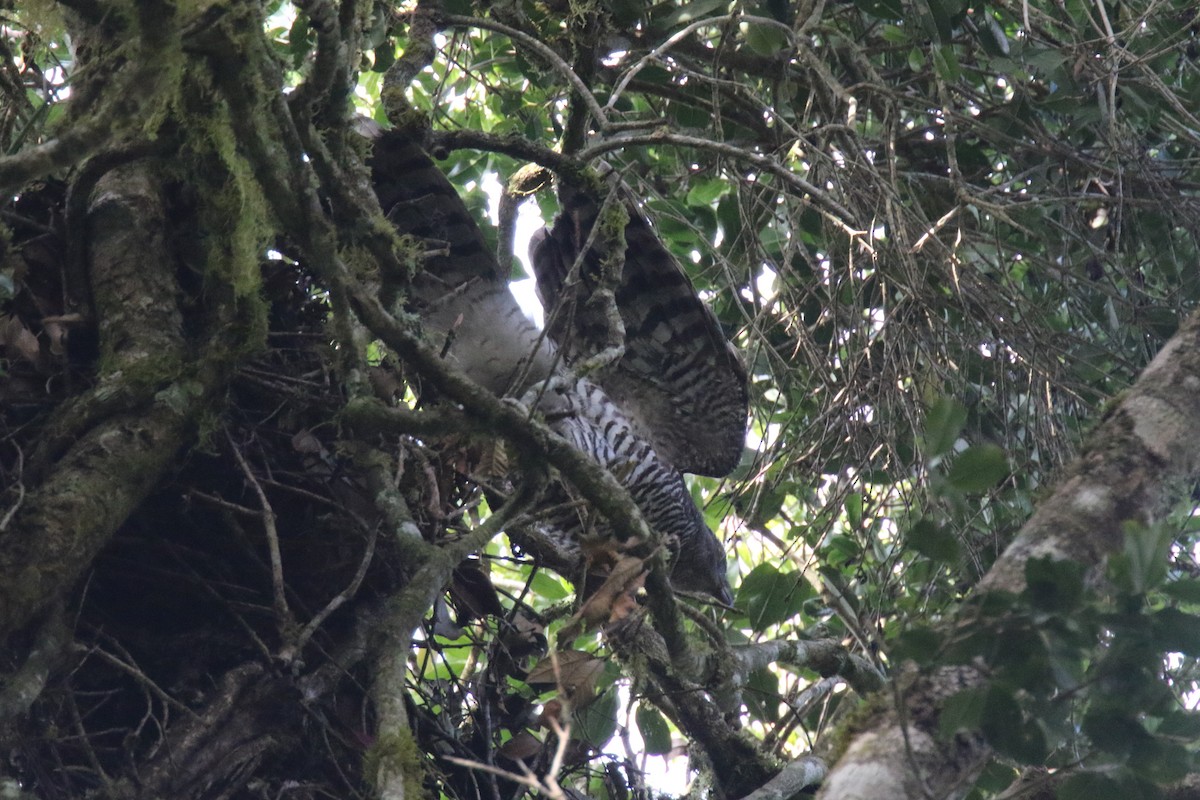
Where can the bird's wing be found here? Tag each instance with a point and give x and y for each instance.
(460, 289)
(679, 380)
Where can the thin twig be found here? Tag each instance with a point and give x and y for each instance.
(282, 612)
(289, 651)
(835, 211)
(671, 41)
(20, 468)
(140, 677)
(548, 786)
(541, 49)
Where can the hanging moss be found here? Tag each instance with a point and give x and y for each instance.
(235, 226)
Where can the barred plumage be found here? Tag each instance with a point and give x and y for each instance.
(679, 379)
(645, 418)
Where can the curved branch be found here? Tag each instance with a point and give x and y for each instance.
(512, 145)
(826, 656)
(799, 774)
(838, 213)
(542, 50)
(137, 89)
(400, 617)
(651, 55)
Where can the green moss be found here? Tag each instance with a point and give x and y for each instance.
(43, 16)
(235, 225)
(612, 236)
(409, 250)
(613, 222)
(397, 752)
(138, 375)
(210, 424)
(237, 216)
(404, 117)
(859, 719)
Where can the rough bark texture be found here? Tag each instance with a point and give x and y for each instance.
(117, 459)
(1144, 447)
(229, 543)
(1141, 450)
(224, 541)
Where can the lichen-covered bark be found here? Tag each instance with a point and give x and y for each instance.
(1144, 447)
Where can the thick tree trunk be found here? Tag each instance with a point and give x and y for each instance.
(105, 450)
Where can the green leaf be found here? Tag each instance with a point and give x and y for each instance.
(1160, 761)
(1177, 632)
(1180, 724)
(932, 541)
(943, 423)
(597, 722)
(943, 15)
(705, 193)
(1147, 549)
(1054, 585)
(301, 39)
(766, 40)
(693, 11)
(854, 509)
(1112, 730)
(761, 695)
(920, 644)
(549, 587)
(946, 63)
(963, 712)
(978, 468)
(656, 734)
(1008, 731)
(991, 36)
(916, 59)
(769, 596)
(1091, 786)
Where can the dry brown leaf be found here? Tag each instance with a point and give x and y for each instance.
(521, 747)
(578, 672)
(626, 603)
(56, 333)
(493, 464)
(304, 442)
(626, 577)
(523, 638)
(19, 341)
(386, 383)
(552, 710)
(473, 594)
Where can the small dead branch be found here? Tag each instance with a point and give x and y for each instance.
(20, 484)
(547, 786)
(282, 612)
(289, 651)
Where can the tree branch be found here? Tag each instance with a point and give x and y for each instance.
(1120, 486)
(836, 212)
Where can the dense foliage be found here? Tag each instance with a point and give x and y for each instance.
(943, 235)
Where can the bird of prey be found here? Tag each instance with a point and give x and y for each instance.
(673, 400)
